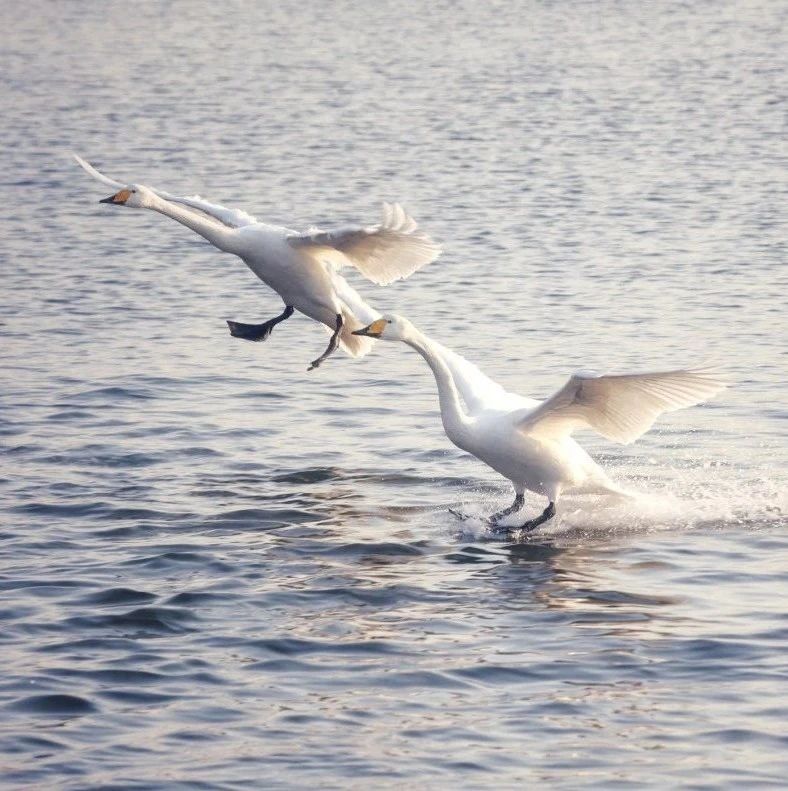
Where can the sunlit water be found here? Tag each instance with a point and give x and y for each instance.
(219, 571)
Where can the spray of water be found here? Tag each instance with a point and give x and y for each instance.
(715, 496)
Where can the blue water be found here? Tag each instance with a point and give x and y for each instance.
(218, 571)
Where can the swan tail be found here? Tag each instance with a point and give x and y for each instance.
(354, 345)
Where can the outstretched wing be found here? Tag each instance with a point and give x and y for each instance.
(620, 408)
(383, 253)
(232, 218)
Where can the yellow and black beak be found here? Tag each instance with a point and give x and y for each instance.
(118, 198)
(374, 330)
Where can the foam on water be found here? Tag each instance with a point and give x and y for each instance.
(677, 500)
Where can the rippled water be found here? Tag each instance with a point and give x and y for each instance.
(219, 571)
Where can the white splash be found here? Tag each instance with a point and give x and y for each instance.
(682, 500)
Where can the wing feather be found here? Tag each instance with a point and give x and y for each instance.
(620, 407)
(383, 253)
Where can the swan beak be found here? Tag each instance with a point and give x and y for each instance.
(118, 198)
(374, 330)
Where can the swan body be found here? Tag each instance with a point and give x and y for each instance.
(528, 441)
(303, 268)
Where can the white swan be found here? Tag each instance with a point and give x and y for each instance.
(301, 267)
(530, 442)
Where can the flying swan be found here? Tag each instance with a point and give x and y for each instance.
(529, 442)
(301, 267)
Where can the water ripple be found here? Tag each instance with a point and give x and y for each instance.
(221, 571)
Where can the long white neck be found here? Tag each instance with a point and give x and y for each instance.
(217, 234)
(455, 422)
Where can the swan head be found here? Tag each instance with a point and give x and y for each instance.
(389, 327)
(134, 196)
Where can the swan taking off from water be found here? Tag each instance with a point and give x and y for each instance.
(529, 442)
(301, 267)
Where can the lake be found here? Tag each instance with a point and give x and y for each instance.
(219, 571)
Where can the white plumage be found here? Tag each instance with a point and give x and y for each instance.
(529, 442)
(620, 407)
(383, 253)
(301, 267)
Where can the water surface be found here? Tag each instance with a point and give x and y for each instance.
(221, 572)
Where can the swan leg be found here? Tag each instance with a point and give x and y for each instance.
(459, 514)
(519, 500)
(531, 524)
(258, 332)
(548, 513)
(332, 345)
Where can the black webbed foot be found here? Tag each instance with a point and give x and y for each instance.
(258, 332)
(250, 332)
(528, 526)
(501, 530)
(459, 514)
